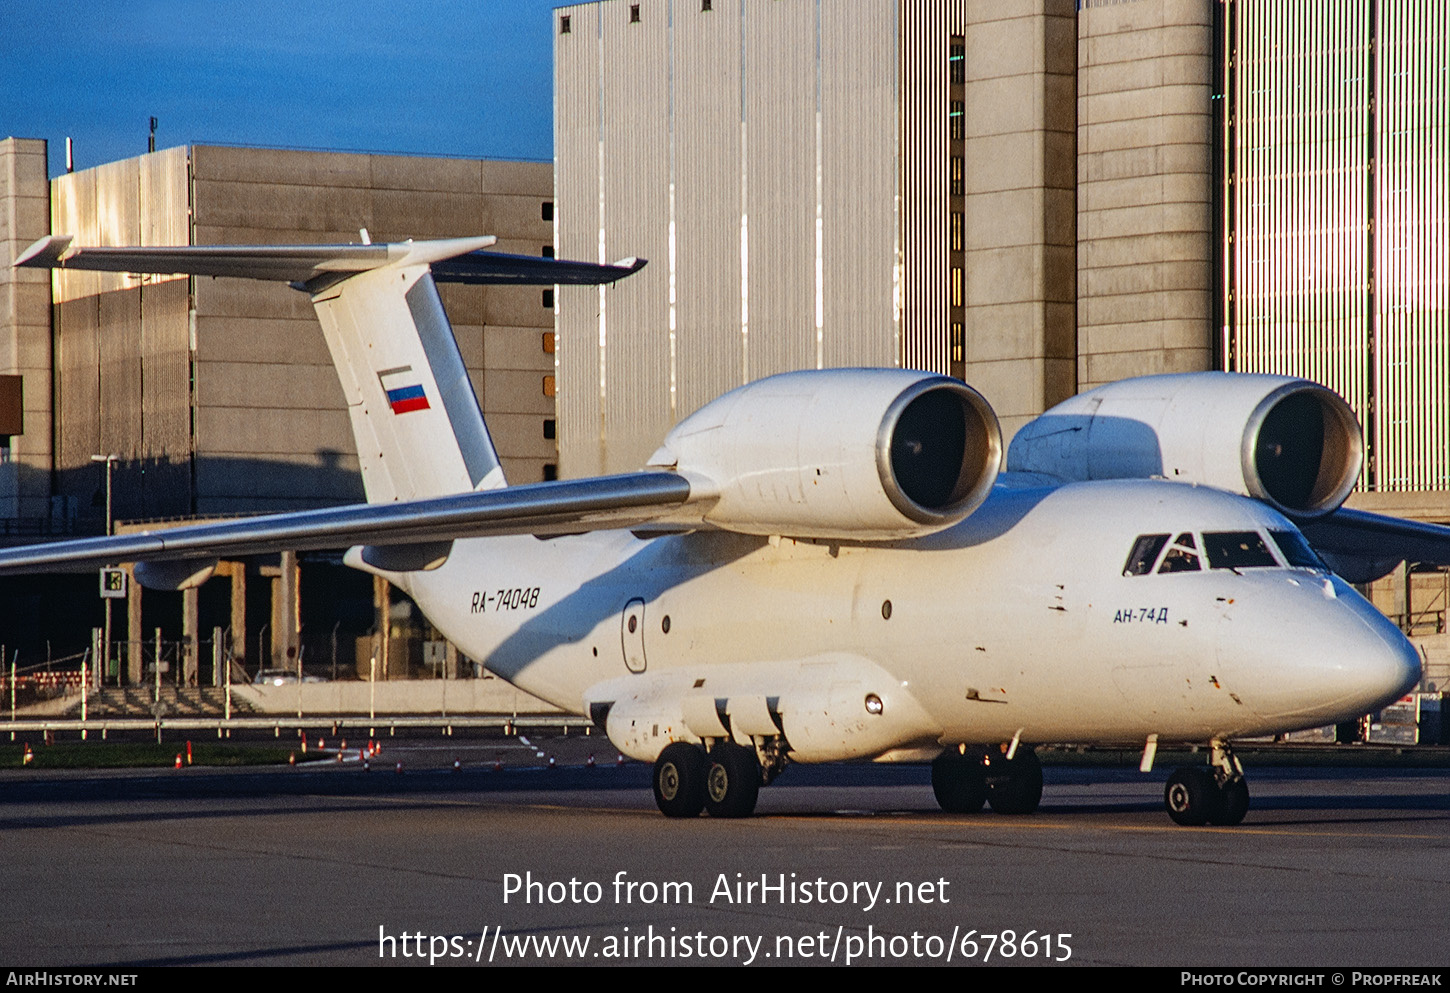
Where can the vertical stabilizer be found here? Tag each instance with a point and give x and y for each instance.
(417, 423)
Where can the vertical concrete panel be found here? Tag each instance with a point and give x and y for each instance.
(25, 325)
(1020, 228)
(166, 446)
(165, 190)
(577, 222)
(77, 366)
(1143, 210)
(78, 401)
(635, 129)
(781, 70)
(858, 148)
(710, 348)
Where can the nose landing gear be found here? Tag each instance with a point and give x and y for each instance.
(1217, 794)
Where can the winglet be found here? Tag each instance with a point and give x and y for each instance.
(45, 253)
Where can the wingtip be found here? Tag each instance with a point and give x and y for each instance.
(47, 253)
(634, 264)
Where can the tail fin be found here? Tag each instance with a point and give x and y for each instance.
(414, 415)
(415, 418)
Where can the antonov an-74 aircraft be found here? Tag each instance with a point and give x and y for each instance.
(827, 565)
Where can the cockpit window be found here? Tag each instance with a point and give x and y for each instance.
(1297, 551)
(1237, 550)
(1182, 557)
(1144, 554)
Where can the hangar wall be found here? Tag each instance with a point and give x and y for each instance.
(885, 182)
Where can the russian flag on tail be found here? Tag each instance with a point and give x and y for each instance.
(404, 389)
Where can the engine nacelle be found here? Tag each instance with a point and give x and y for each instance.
(871, 454)
(1289, 442)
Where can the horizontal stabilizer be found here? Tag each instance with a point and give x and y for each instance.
(459, 260)
(496, 268)
(562, 507)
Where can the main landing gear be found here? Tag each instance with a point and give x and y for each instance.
(725, 781)
(1216, 794)
(963, 779)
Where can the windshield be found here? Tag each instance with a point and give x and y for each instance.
(1235, 550)
(1296, 550)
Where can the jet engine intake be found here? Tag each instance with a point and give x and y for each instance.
(869, 454)
(1289, 442)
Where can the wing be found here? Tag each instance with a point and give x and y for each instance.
(563, 507)
(1362, 546)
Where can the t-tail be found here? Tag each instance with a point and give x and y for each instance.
(415, 417)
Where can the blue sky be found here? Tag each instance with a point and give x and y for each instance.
(449, 77)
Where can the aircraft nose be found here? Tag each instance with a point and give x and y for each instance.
(1333, 656)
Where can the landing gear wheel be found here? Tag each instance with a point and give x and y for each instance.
(1233, 803)
(732, 784)
(679, 780)
(1015, 786)
(958, 782)
(1192, 797)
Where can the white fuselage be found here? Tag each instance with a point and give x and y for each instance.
(1019, 621)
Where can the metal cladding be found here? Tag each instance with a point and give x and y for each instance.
(783, 164)
(1335, 195)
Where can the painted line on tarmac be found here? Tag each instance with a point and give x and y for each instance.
(873, 819)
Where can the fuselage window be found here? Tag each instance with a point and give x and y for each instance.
(1182, 557)
(1144, 554)
(1237, 550)
(1297, 551)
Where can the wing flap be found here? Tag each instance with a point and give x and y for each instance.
(542, 508)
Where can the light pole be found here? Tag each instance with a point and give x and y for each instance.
(110, 461)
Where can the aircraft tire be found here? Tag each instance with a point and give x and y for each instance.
(1233, 803)
(679, 780)
(1016, 788)
(958, 782)
(732, 781)
(1192, 797)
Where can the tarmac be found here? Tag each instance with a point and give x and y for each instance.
(510, 861)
